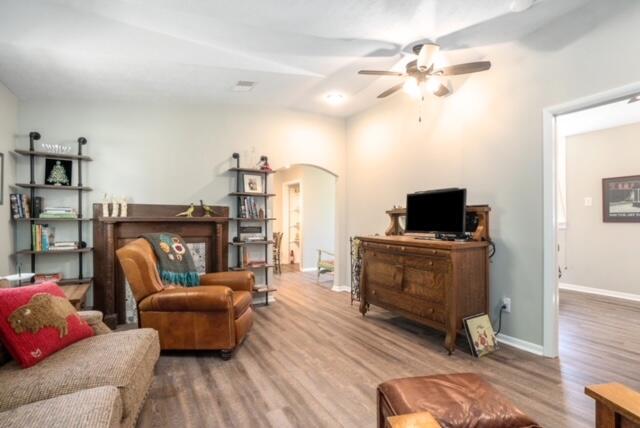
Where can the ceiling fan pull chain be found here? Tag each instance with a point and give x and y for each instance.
(420, 109)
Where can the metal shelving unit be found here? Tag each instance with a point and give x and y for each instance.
(236, 244)
(33, 187)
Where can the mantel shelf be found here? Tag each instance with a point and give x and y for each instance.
(42, 154)
(49, 220)
(52, 187)
(163, 219)
(251, 170)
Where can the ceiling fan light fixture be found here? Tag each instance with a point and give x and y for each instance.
(427, 54)
(434, 84)
(411, 87)
(334, 98)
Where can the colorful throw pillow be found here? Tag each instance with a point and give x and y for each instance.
(38, 320)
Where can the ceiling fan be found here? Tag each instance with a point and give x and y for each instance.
(423, 71)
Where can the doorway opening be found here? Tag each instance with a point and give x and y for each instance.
(305, 208)
(578, 156)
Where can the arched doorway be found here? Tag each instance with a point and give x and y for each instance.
(305, 211)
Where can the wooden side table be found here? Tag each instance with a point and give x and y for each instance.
(76, 294)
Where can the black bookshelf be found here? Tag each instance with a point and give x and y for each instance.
(79, 158)
(238, 245)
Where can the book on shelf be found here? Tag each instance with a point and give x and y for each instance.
(40, 237)
(59, 212)
(20, 205)
(249, 208)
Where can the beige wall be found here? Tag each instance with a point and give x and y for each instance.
(597, 254)
(487, 137)
(318, 210)
(8, 124)
(173, 154)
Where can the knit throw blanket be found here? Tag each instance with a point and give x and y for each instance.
(175, 263)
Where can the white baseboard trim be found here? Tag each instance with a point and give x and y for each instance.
(599, 291)
(341, 289)
(311, 269)
(520, 344)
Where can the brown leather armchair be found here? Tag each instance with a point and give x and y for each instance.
(216, 315)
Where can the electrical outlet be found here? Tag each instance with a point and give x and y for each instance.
(588, 201)
(506, 301)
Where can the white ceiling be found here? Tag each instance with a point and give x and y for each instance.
(597, 118)
(196, 50)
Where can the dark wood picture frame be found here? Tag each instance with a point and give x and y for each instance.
(617, 190)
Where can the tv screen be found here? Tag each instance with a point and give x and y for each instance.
(437, 211)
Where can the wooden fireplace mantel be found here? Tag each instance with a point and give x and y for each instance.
(111, 233)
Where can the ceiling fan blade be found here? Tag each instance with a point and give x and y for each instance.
(634, 99)
(381, 73)
(470, 67)
(391, 90)
(442, 91)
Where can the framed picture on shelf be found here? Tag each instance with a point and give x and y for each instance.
(621, 199)
(57, 172)
(252, 183)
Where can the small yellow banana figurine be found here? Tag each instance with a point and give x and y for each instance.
(188, 212)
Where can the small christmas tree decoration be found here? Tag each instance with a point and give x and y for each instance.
(58, 175)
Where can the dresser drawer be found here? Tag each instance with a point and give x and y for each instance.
(392, 299)
(383, 270)
(425, 284)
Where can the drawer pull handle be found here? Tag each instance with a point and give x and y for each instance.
(373, 292)
(434, 252)
(430, 262)
(430, 310)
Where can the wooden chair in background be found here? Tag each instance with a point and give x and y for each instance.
(277, 249)
(325, 265)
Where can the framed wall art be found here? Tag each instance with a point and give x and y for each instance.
(621, 199)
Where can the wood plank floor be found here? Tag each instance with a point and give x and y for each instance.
(311, 360)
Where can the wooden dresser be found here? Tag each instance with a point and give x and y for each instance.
(436, 283)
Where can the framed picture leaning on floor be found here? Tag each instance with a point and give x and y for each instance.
(621, 199)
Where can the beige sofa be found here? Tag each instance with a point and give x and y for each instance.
(101, 381)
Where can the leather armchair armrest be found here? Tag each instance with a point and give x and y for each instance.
(194, 299)
(237, 281)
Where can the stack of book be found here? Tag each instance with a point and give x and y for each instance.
(248, 209)
(40, 237)
(20, 206)
(59, 212)
(63, 246)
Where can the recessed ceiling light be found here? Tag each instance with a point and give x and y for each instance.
(520, 5)
(243, 86)
(334, 98)
(634, 99)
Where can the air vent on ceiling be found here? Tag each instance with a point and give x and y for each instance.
(244, 86)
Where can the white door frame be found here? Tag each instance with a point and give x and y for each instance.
(285, 218)
(549, 182)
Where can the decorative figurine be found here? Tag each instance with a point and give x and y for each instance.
(115, 207)
(188, 212)
(123, 207)
(261, 214)
(105, 206)
(208, 211)
(263, 165)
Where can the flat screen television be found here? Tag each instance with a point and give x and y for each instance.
(437, 211)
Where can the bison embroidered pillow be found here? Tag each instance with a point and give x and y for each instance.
(38, 320)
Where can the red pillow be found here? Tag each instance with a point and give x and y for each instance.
(38, 320)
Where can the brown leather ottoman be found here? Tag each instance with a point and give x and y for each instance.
(462, 400)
